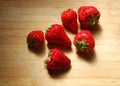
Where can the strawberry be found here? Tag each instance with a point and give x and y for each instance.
(56, 35)
(69, 20)
(35, 39)
(57, 60)
(84, 41)
(88, 16)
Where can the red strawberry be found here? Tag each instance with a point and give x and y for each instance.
(57, 60)
(35, 39)
(84, 41)
(69, 20)
(57, 35)
(88, 16)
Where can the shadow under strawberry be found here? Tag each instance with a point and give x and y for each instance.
(90, 57)
(58, 74)
(64, 49)
(96, 30)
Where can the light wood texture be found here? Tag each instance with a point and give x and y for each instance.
(21, 67)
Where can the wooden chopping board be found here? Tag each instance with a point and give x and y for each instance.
(21, 67)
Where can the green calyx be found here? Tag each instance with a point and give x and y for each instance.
(81, 45)
(93, 20)
(48, 58)
(47, 31)
(32, 42)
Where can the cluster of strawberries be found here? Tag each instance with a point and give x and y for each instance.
(88, 17)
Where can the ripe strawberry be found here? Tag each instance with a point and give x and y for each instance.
(56, 35)
(84, 41)
(57, 60)
(69, 20)
(88, 16)
(35, 39)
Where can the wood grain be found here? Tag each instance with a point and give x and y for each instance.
(19, 66)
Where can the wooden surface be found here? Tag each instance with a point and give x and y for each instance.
(21, 67)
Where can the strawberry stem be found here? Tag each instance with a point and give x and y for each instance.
(81, 45)
(93, 20)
